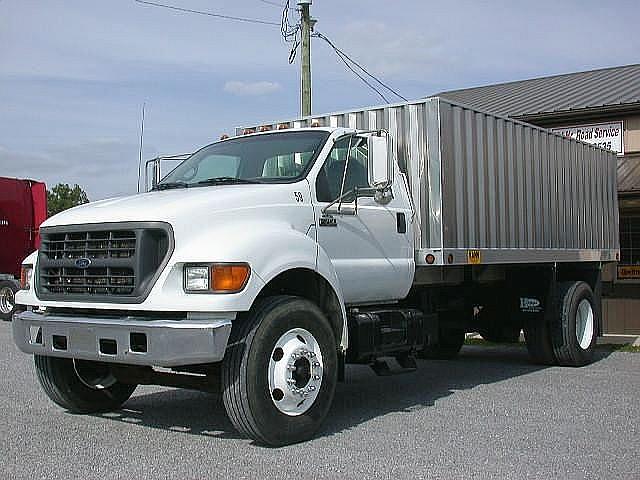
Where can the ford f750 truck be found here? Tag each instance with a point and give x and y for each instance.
(265, 262)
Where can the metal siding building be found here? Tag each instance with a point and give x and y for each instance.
(580, 104)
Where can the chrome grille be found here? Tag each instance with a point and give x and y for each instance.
(101, 244)
(88, 281)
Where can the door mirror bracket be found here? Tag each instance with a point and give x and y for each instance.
(383, 195)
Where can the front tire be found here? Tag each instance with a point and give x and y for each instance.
(81, 386)
(280, 371)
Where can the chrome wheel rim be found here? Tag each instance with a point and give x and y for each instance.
(7, 300)
(295, 372)
(94, 375)
(584, 324)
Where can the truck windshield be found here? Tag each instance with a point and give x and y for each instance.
(278, 157)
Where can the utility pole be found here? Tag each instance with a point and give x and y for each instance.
(305, 61)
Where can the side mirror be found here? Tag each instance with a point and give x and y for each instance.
(380, 167)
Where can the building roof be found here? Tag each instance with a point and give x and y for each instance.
(612, 89)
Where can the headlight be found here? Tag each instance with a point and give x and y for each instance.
(196, 278)
(26, 273)
(216, 277)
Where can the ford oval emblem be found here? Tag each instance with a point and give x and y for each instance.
(83, 263)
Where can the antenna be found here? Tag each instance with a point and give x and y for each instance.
(144, 104)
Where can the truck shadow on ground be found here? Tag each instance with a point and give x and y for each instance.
(362, 397)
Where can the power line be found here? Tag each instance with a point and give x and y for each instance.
(346, 58)
(275, 4)
(209, 14)
(290, 33)
(364, 80)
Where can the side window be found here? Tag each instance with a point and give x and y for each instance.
(330, 177)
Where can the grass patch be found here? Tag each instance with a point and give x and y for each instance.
(626, 347)
(482, 342)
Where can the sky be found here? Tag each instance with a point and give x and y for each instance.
(75, 73)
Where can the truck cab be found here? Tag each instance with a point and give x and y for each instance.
(159, 279)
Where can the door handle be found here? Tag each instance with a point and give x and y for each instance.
(401, 223)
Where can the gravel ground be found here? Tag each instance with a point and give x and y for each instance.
(489, 414)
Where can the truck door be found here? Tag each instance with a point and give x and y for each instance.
(371, 248)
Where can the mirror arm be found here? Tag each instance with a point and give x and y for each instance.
(339, 200)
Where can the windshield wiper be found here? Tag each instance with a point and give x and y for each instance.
(168, 185)
(224, 180)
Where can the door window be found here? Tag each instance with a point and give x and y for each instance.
(329, 179)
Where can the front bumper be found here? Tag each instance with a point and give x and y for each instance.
(167, 343)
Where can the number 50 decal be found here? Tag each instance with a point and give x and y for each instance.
(299, 197)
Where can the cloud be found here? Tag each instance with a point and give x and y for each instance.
(103, 168)
(391, 51)
(251, 88)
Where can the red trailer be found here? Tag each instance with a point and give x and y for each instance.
(23, 207)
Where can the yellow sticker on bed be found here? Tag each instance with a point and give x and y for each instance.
(474, 257)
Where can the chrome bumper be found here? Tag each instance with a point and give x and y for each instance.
(163, 343)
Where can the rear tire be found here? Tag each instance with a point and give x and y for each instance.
(450, 341)
(8, 307)
(574, 336)
(81, 386)
(260, 382)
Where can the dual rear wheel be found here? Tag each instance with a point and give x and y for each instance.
(567, 333)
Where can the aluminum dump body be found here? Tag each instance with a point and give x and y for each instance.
(488, 189)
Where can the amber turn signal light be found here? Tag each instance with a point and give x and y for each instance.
(229, 277)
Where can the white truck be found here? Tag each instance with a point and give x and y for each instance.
(265, 262)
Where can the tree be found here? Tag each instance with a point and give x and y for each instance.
(62, 197)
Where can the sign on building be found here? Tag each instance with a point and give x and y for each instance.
(628, 272)
(605, 135)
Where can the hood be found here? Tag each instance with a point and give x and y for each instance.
(176, 204)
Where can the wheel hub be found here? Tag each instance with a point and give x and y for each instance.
(584, 324)
(302, 372)
(295, 372)
(7, 300)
